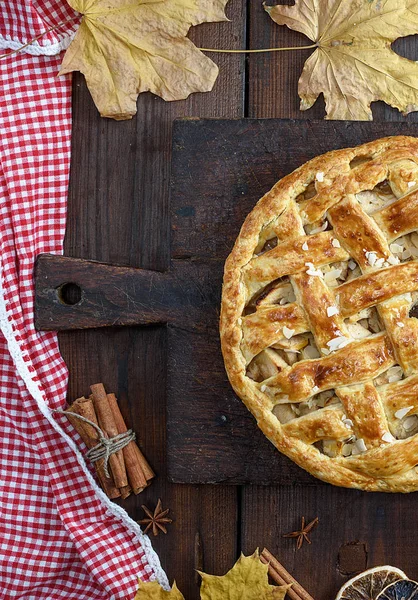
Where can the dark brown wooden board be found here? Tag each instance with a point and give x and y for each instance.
(220, 169)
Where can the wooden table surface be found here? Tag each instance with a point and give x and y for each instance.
(118, 213)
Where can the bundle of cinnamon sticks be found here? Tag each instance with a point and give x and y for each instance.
(128, 469)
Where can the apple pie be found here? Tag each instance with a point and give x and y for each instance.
(317, 328)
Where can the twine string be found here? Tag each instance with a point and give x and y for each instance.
(106, 446)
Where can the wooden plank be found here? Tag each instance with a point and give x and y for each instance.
(377, 523)
(273, 77)
(118, 213)
(377, 526)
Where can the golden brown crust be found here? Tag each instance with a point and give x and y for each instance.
(283, 246)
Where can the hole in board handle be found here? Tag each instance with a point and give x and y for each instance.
(69, 293)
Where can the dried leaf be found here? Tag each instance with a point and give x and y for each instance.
(125, 47)
(247, 580)
(152, 590)
(354, 64)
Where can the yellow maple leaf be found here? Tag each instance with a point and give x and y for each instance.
(152, 590)
(247, 580)
(354, 64)
(125, 47)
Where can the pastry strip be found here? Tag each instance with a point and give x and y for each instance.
(365, 358)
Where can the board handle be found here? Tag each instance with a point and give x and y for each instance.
(73, 293)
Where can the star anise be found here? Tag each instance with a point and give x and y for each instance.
(302, 534)
(155, 520)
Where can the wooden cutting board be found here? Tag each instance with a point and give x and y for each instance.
(220, 168)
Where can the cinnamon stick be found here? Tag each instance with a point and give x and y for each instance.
(108, 425)
(125, 491)
(84, 407)
(279, 574)
(138, 470)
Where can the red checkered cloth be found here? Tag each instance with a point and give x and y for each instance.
(60, 537)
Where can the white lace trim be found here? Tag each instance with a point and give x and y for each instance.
(37, 49)
(18, 354)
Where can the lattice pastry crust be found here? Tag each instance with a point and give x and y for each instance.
(316, 330)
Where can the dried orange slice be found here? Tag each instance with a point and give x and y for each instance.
(369, 584)
(400, 590)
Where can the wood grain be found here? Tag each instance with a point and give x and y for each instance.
(186, 294)
(118, 213)
(273, 77)
(382, 522)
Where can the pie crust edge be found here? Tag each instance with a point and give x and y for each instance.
(331, 470)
